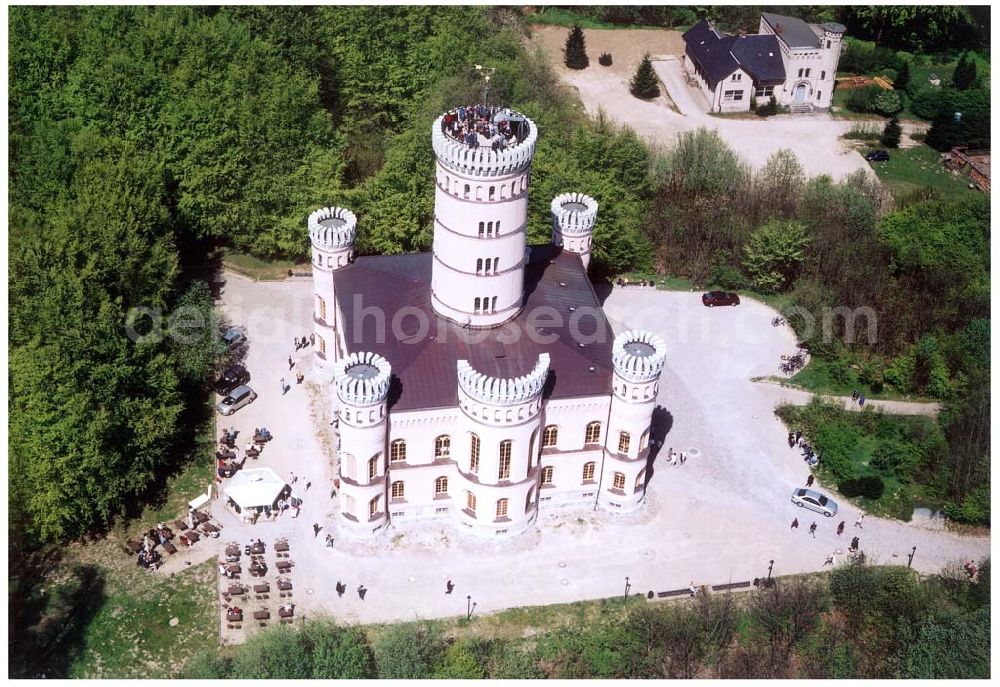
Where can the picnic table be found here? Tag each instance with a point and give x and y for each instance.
(262, 614)
(262, 588)
(284, 566)
(281, 546)
(234, 616)
(190, 538)
(199, 517)
(180, 524)
(284, 585)
(209, 527)
(235, 590)
(168, 547)
(286, 612)
(233, 550)
(257, 548)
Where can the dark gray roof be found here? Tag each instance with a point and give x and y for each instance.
(760, 56)
(834, 27)
(792, 30)
(711, 51)
(425, 372)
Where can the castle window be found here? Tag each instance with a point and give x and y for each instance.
(502, 508)
(373, 468)
(441, 485)
(347, 465)
(819, 94)
(470, 502)
(482, 228)
(505, 451)
(493, 192)
(348, 505)
(807, 72)
(479, 266)
(474, 455)
(593, 433)
(489, 265)
(489, 229)
(640, 480)
(321, 307)
(498, 227)
(547, 474)
(618, 480)
(486, 304)
(322, 345)
(496, 264)
(588, 471)
(373, 507)
(623, 441)
(644, 440)
(442, 446)
(397, 451)
(476, 309)
(737, 76)
(493, 308)
(398, 490)
(467, 189)
(800, 73)
(479, 192)
(550, 437)
(822, 76)
(828, 44)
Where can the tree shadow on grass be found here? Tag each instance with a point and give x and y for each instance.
(48, 616)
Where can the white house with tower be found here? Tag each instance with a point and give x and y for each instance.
(789, 59)
(480, 382)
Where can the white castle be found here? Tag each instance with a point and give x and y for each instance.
(481, 381)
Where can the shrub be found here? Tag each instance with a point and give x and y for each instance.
(407, 652)
(876, 592)
(902, 76)
(728, 277)
(869, 486)
(769, 109)
(974, 509)
(774, 255)
(891, 133)
(644, 84)
(575, 52)
(899, 458)
(605, 59)
(951, 645)
(459, 663)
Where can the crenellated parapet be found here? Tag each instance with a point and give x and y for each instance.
(503, 391)
(362, 379)
(573, 214)
(638, 356)
(483, 161)
(332, 228)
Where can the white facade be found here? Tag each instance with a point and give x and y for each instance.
(488, 463)
(810, 72)
(331, 232)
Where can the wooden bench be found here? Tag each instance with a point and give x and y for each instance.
(262, 588)
(284, 566)
(168, 547)
(262, 614)
(731, 585)
(286, 613)
(674, 592)
(281, 546)
(284, 585)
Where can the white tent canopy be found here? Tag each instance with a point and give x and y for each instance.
(255, 488)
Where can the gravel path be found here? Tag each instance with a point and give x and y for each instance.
(800, 397)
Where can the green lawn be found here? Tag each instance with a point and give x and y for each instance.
(261, 270)
(837, 378)
(910, 169)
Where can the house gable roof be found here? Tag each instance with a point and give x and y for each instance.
(794, 32)
(711, 51)
(760, 57)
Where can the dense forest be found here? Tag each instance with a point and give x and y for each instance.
(860, 621)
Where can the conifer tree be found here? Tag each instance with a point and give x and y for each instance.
(902, 77)
(645, 84)
(891, 133)
(576, 50)
(965, 75)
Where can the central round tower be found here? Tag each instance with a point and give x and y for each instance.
(482, 174)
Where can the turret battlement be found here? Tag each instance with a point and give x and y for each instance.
(503, 391)
(573, 214)
(332, 228)
(483, 159)
(362, 379)
(638, 355)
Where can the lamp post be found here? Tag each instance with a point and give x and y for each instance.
(913, 553)
(770, 567)
(627, 587)
(487, 72)
(469, 607)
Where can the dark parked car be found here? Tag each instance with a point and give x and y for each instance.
(234, 376)
(714, 298)
(878, 156)
(234, 338)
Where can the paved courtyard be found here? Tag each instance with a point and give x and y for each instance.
(720, 517)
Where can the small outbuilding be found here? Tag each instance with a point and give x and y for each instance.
(255, 492)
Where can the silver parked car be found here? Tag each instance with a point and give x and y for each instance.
(237, 398)
(813, 500)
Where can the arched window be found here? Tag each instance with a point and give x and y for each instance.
(489, 229)
(441, 485)
(476, 309)
(502, 508)
(496, 264)
(640, 480)
(470, 502)
(348, 505)
(618, 480)
(493, 308)
(644, 440)
(474, 455)
(493, 192)
(348, 466)
(505, 451)
(623, 441)
(479, 192)
(322, 345)
(588, 471)
(593, 434)
(479, 266)
(550, 437)
(513, 188)
(482, 229)
(398, 490)
(397, 451)
(489, 265)
(442, 446)
(503, 192)
(486, 303)
(321, 307)
(547, 474)
(373, 507)
(498, 228)
(467, 189)
(373, 467)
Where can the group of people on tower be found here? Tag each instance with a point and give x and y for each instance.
(468, 122)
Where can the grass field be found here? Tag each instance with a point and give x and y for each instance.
(261, 270)
(835, 378)
(911, 169)
(559, 16)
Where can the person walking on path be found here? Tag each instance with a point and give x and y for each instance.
(809, 480)
(798, 436)
(683, 458)
(308, 484)
(795, 524)
(291, 363)
(299, 376)
(861, 519)
(292, 478)
(791, 440)
(812, 530)
(854, 545)
(284, 388)
(362, 591)
(329, 540)
(312, 339)
(840, 527)
(861, 400)
(449, 587)
(341, 588)
(854, 395)
(830, 560)
(316, 529)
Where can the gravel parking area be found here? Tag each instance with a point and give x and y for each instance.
(814, 138)
(718, 518)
